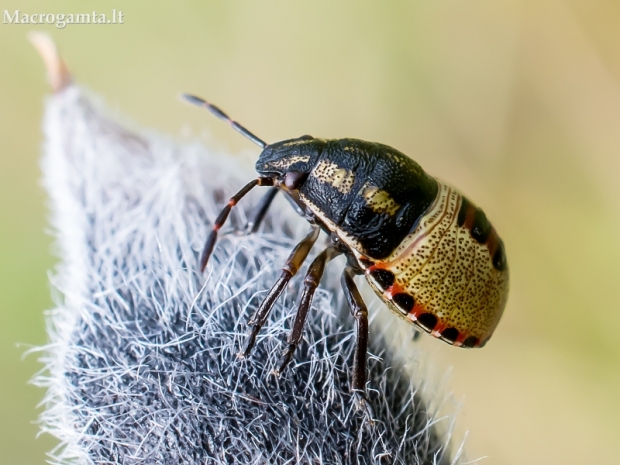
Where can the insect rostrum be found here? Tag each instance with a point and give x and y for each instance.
(428, 252)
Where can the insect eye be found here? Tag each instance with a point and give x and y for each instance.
(294, 179)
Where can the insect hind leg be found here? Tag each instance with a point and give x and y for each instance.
(311, 282)
(360, 313)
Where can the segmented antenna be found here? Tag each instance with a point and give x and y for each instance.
(221, 115)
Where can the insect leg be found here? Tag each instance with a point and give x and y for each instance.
(261, 211)
(360, 313)
(313, 277)
(223, 216)
(290, 268)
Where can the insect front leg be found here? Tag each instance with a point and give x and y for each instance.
(223, 216)
(313, 277)
(290, 268)
(360, 313)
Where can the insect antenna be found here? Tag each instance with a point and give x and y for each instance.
(221, 115)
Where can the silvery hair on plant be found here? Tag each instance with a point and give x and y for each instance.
(141, 366)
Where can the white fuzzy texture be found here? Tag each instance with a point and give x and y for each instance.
(141, 367)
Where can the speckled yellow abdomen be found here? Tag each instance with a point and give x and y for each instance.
(449, 276)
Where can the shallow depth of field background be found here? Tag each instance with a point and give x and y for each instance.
(515, 102)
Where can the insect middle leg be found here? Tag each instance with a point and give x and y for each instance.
(360, 313)
(261, 211)
(313, 277)
(290, 268)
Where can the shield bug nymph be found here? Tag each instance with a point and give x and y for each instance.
(428, 252)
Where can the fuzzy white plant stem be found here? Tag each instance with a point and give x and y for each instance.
(142, 365)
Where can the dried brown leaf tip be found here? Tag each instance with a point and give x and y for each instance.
(57, 72)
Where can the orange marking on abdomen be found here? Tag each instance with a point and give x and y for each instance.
(493, 242)
(376, 266)
(469, 217)
(460, 339)
(438, 329)
(393, 290)
(416, 312)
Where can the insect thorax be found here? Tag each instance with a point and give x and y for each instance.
(370, 194)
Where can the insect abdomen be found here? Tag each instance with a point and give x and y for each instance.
(449, 275)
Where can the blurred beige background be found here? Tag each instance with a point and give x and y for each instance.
(516, 102)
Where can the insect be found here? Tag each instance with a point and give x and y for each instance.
(428, 252)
